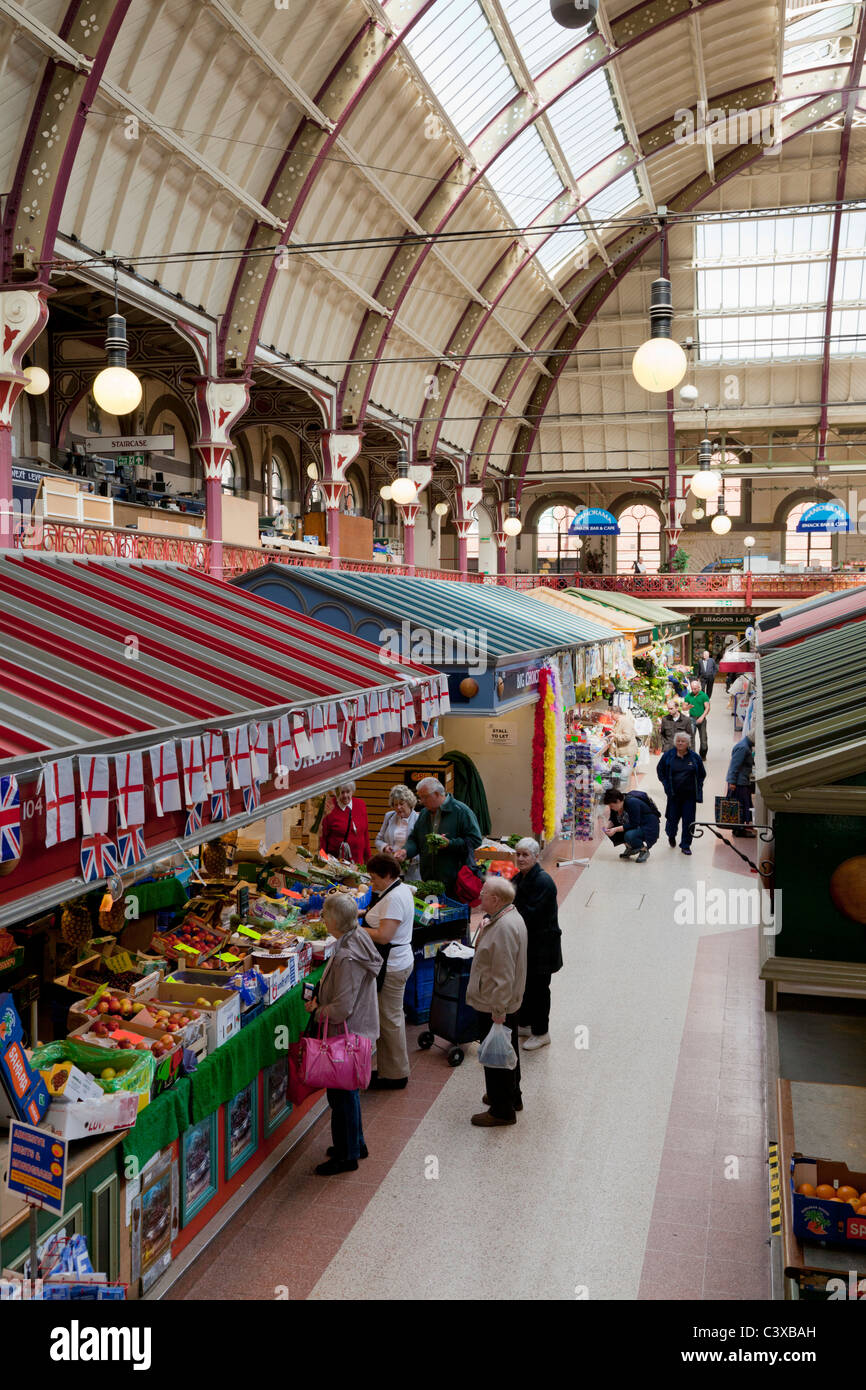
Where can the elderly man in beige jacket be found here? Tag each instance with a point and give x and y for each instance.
(497, 983)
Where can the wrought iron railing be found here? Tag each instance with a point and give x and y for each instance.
(72, 538)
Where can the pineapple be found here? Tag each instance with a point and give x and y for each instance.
(112, 920)
(214, 861)
(76, 927)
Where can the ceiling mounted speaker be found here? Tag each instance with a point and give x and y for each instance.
(573, 14)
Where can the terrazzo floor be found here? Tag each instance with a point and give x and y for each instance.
(637, 1168)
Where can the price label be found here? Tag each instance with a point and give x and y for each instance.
(121, 961)
(248, 931)
(182, 946)
(227, 955)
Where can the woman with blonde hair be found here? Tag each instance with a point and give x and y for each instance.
(397, 827)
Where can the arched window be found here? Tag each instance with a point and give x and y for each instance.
(809, 548)
(557, 550)
(280, 483)
(472, 540)
(229, 476)
(639, 539)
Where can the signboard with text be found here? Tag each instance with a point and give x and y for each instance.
(37, 1167)
(132, 444)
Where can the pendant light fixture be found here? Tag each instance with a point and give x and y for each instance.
(512, 525)
(441, 509)
(385, 492)
(573, 14)
(707, 482)
(721, 522)
(117, 390)
(660, 363)
(403, 489)
(38, 381)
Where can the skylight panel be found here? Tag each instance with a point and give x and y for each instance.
(611, 201)
(848, 332)
(587, 124)
(524, 178)
(540, 39)
(830, 22)
(562, 246)
(458, 55)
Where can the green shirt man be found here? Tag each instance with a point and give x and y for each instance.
(699, 706)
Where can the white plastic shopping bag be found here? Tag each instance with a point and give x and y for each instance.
(496, 1050)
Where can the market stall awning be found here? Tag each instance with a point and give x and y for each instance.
(620, 623)
(116, 660)
(813, 712)
(666, 622)
(512, 623)
(815, 615)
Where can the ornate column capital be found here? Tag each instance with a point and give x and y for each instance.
(23, 313)
(220, 403)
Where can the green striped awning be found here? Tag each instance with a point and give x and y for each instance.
(814, 705)
(643, 608)
(513, 623)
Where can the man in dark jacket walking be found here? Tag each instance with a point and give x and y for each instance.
(535, 900)
(681, 773)
(739, 780)
(706, 671)
(675, 721)
(446, 816)
(638, 819)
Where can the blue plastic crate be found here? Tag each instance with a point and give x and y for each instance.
(419, 989)
(449, 911)
(247, 1015)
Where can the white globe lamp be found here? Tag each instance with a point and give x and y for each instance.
(659, 364)
(688, 393)
(441, 509)
(386, 493)
(720, 524)
(116, 389)
(698, 514)
(512, 526)
(707, 484)
(748, 542)
(38, 381)
(312, 471)
(403, 491)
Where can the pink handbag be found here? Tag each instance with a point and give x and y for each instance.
(342, 1062)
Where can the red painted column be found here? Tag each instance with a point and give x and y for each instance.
(501, 551)
(463, 529)
(333, 496)
(23, 312)
(339, 449)
(220, 404)
(409, 513)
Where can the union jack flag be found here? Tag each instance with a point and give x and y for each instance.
(98, 857)
(357, 754)
(252, 797)
(219, 806)
(131, 846)
(10, 820)
(379, 743)
(425, 728)
(193, 819)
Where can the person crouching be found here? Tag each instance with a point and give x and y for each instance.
(635, 817)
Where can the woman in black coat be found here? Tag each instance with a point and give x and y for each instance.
(536, 902)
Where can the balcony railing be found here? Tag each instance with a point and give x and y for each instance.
(70, 538)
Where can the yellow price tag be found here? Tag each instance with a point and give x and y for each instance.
(248, 931)
(190, 950)
(227, 955)
(122, 961)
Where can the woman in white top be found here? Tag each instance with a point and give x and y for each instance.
(389, 922)
(397, 826)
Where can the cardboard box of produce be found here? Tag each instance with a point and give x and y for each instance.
(819, 1217)
(65, 1082)
(277, 973)
(88, 1118)
(222, 1011)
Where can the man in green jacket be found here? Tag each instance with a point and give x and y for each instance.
(445, 816)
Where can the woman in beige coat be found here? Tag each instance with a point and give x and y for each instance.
(497, 983)
(346, 993)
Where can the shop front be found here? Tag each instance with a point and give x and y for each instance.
(161, 887)
(717, 631)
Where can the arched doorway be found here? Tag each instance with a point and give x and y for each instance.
(556, 551)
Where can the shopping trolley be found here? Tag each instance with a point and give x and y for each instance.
(450, 1017)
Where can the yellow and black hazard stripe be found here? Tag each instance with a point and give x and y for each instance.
(775, 1191)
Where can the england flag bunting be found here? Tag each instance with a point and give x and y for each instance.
(98, 857)
(252, 797)
(166, 788)
(93, 776)
(303, 744)
(239, 757)
(332, 732)
(193, 770)
(10, 820)
(130, 846)
(58, 784)
(374, 714)
(129, 775)
(444, 697)
(215, 779)
(219, 806)
(349, 711)
(284, 749)
(426, 703)
(259, 752)
(317, 731)
(408, 716)
(396, 703)
(362, 722)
